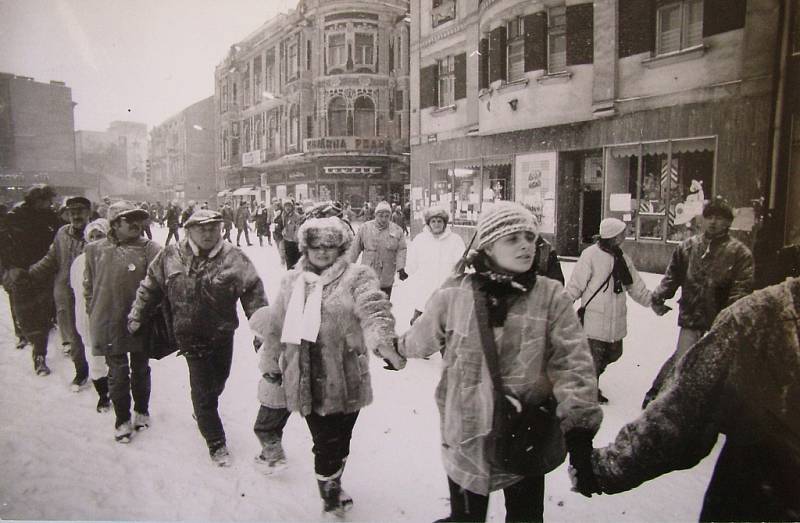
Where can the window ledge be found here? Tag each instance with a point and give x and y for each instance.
(513, 86)
(689, 53)
(444, 110)
(554, 78)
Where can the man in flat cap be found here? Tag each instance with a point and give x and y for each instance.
(384, 246)
(201, 278)
(114, 268)
(25, 236)
(67, 246)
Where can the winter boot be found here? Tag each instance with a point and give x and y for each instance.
(330, 491)
(272, 458)
(141, 421)
(22, 342)
(601, 398)
(220, 455)
(123, 432)
(101, 386)
(81, 378)
(40, 366)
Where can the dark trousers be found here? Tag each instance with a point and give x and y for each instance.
(34, 311)
(129, 377)
(264, 232)
(226, 233)
(292, 252)
(69, 334)
(388, 291)
(208, 372)
(524, 501)
(246, 232)
(17, 328)
(173, 232)
(604, 352)
(270, 423)
(331, 435)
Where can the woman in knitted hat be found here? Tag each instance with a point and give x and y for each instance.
(328, 316)
(601, 278)
(503, 321)
(431, 257)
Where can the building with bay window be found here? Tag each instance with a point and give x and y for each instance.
(637, 109)
(313, 105)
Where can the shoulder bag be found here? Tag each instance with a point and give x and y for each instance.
(582, 310)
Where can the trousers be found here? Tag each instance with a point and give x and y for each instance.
(208, 373)
(524, 501)
(129, 375)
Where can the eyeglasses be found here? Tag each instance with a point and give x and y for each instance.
(132, 224)
(323, 248)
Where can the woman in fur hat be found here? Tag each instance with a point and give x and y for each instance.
(432, 256)
(504, 321)
(328, 315)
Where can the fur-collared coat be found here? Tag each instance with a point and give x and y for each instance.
(356, 319)
(542, 350)
(741, 379)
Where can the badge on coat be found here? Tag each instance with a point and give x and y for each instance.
(131, 267)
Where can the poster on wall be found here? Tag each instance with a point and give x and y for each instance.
(280, 192)
(535, 187)
(417, 202)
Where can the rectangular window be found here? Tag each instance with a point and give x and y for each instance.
(337, 51)
(442, 11)
(257, 80)
(246, 86)
(365, 49)
(515, 52)
(446, 81)
(291, 60)
(679, 25)
(557, 40)
(269, 71)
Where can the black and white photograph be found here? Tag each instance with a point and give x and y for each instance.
(400, 260)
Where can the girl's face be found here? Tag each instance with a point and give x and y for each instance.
(322, 256)
(514, 252)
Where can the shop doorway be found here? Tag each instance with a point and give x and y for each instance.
(580, 200)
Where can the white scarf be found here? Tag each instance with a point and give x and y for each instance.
(303, 316)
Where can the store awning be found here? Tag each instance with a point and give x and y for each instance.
(224, 193)
(244, 191)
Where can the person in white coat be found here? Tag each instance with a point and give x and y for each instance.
(600, 278)
(431, 258)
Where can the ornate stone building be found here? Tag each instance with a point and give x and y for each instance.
(313, 105)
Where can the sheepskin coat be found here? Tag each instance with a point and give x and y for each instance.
(356, 320)
(542, 351)
(384, 250)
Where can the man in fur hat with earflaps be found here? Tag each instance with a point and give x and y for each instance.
(384, 246)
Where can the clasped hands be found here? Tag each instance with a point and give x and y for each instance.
(659, 307)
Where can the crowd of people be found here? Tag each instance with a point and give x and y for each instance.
(498, 310)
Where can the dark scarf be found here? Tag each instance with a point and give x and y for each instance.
(620, 273)
(502, 289)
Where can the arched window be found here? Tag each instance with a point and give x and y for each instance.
(364, 117)
(272, 134)
(337, 117)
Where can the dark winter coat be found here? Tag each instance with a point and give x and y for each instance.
(186, 214)
(26, 235)
(546, 261)
(201, 292)
(173, 217)
(242, 216)
(356, 320)
(288, 225)
(67, 246)
(113, 273)
(543, 351)
(263, 218)
(741, 379)
(227, 217)
(711, 275)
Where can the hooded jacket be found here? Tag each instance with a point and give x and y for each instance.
(431, 260)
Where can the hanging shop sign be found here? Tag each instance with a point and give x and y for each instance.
(338, 144)
(348, 171)
(535, 187)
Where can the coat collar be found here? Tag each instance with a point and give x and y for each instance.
(331, 273)
(196, 250)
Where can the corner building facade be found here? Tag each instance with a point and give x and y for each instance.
(314, 106)
(635, 109)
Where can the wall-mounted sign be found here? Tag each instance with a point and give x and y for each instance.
(333, 144)
(535, 187)
(253, 158)
(353, 171)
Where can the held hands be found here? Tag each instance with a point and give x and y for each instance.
(402, 274)
(579, 446)
(658, 307)
(394, 361)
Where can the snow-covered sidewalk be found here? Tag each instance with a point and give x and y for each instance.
(59, 460)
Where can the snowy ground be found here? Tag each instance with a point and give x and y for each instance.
(58, 459)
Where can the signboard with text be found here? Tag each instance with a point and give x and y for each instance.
(337, 144)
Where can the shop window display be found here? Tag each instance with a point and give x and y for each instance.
(497, 183)
(467, 183)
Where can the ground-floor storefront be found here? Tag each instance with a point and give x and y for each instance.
(652, 169)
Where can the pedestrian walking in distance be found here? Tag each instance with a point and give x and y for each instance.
(384, 246)
(114, 268)
(227, 221)
(600, 279)
(432, 257)
(199, 280)
(288, 223)
(173, 218)
(504, 318)
(241, 219)
(739, 379)
(328, 316)
(713, 270)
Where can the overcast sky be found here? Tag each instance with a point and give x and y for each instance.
(140, 60)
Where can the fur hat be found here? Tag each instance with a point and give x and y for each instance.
(100, 224)
(611, 227)
(126, 209)
(718, 207)
(383, 206)
(502, 219)
(436, 212)
(331, 232)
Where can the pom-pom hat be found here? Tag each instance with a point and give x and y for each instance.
(502, 219)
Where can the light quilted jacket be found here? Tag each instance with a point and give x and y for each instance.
(430, 261)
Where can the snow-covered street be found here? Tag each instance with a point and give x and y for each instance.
(59, 461)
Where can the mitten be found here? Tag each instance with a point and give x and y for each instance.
(579, 446)
(402, 274)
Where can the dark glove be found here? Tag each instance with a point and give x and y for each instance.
(402, 274)
(579, 446)
(257, 343)
(389, 365)
(276, 378)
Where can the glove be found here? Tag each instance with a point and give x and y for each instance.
(276, 378)
(389, 365)
(134, 326)
(257, 343)
(402, 274)
(579, 446)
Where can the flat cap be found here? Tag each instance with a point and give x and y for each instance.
(77, 202)
(202, 217)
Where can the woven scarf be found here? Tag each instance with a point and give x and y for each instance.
(620, 272)
(303, 316)
(502, 289)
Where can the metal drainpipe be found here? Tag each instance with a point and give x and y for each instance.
(777, 131)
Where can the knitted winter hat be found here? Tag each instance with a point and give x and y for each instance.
(611, 227)
(383, 206)
(502, 219)
(436, 212)
(330, 232)
(100, 224)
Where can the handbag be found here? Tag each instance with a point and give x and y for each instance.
(582, 310)
(159, 341)
(519, 431)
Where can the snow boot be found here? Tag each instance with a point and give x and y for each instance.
(220, 455)
(330, 491)
(81, 377)
(21, 342)
(123, 432)
(600, 398)
(141, 421)
(40, 366)
(101, 386)
(271, 459)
